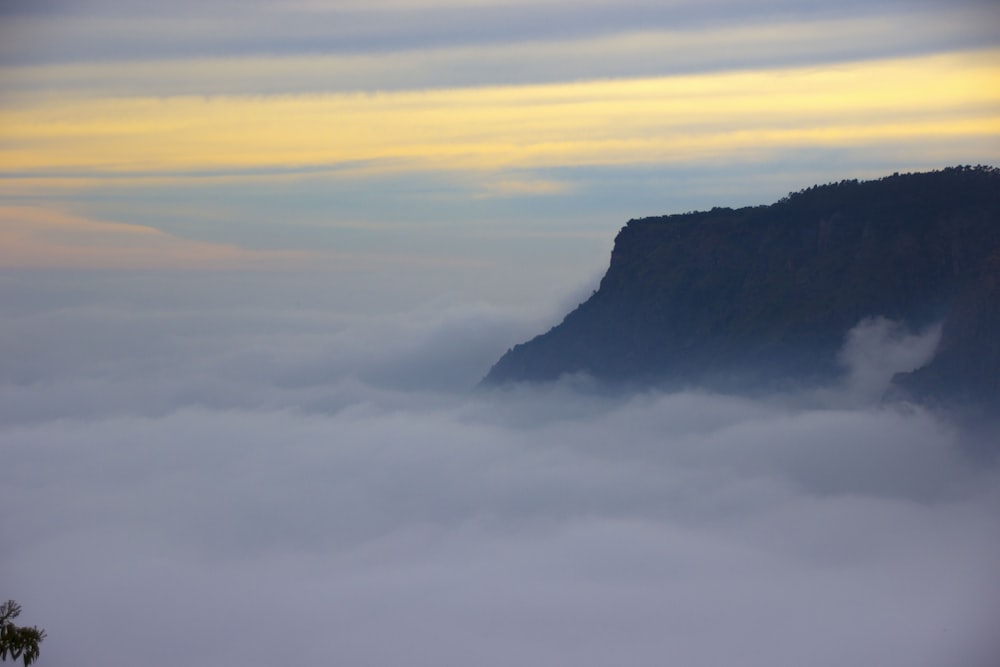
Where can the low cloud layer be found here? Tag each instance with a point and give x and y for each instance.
(195, 486)
(878, 348)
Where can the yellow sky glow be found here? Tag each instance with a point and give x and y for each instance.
(595, 122)
(35, 237)
(48, 237)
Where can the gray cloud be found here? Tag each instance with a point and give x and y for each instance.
(643, 50)
(877, 348)
(429, 536)
(85, 346)
(213, 485)
(500, 37)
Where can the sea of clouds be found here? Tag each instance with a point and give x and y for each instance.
(243, 470)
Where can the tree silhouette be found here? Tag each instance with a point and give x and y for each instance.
(17, 642)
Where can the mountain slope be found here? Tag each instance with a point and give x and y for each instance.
(764, 295)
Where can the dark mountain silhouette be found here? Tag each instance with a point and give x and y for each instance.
(966, 366)
(763, 296)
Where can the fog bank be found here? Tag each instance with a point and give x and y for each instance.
(202, 485)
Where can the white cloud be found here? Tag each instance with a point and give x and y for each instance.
(428, 536)
(214, 503)
(878, 348)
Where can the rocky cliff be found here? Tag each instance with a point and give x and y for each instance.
(736, 298)
(966, 367)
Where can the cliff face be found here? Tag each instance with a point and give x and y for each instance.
(764, 295)
(966, 368)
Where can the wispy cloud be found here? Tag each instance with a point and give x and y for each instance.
(602, 122)
(524, 187)
(33, 237)
(442, 112)
(123, 31)
(645, 50)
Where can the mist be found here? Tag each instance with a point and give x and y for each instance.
(252, 473)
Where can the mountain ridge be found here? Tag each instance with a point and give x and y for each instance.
(764, 295)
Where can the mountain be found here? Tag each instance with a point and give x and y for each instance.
(966, 366)
(764, 295)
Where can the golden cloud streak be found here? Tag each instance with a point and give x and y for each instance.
(596, 122)
(35, 237)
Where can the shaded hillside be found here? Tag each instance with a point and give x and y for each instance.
(729, 298)
(966, 367)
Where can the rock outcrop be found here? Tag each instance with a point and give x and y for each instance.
(965, 369)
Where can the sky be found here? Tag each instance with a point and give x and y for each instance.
(499, 143)
(256, 255)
